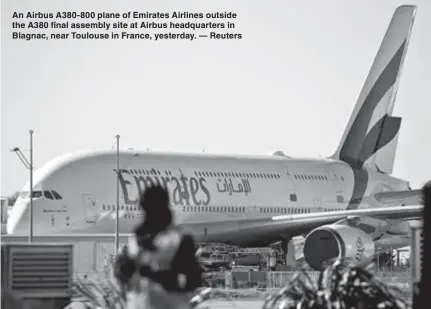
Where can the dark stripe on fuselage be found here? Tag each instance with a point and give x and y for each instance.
(360, 182)
(356, 136)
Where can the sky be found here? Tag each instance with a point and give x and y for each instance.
(289, 84)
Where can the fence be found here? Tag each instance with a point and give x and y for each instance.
(278, 279)
(260, 279)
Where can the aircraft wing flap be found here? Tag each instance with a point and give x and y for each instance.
(396, 212)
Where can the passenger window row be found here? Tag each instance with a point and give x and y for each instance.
(310, 177)
(129, 215)
(285, 210)
(226, 209)
(235, 209)
(239, 175)
(123, 207)
(154, 172)
(313, 177)
(291, 210)
(214, 209)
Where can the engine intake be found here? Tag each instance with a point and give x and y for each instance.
(338, 241)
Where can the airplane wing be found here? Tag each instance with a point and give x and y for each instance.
(257, 232)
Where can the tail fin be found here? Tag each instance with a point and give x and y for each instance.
(371, 136)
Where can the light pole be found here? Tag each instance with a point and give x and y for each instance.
(117, 217)
(28, 165)
(30, 239)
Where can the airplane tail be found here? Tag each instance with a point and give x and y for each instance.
(371, 136)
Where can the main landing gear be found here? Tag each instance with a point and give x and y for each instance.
(288, 248)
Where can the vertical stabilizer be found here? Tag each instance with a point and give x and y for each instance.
(371, 136)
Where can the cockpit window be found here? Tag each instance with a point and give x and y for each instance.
(56, 195)
(48, 195)
(37, 194)
(52, 195)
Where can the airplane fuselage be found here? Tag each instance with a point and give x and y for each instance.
(203, 188)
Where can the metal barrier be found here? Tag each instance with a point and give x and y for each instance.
(279, 279)
(39, 274)
(420, 250)
(416, 250)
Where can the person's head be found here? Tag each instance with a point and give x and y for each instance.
(154, 198)
(154, 202)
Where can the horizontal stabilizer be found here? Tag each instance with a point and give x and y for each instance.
(400, 197)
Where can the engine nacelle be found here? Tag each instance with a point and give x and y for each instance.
(338, 241)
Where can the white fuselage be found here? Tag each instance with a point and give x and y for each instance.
(203, 188)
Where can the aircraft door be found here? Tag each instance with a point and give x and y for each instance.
(90, 208)
(317, 203)
(336, 181)
(290, 185)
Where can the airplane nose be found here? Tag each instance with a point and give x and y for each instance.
(17, 217)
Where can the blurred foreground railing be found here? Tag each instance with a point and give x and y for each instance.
(92, 295)
(340, 285)
(343, 282)
(265, 280)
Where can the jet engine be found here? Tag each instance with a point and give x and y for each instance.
(338, 241)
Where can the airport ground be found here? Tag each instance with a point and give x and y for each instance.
(237, 304)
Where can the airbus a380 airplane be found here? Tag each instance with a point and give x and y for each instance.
(347, 205)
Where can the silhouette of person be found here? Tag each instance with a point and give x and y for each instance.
(161, 255)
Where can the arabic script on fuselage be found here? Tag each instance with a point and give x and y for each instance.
(229, 186)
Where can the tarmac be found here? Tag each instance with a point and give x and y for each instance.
(210, 304)
(237, 304)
